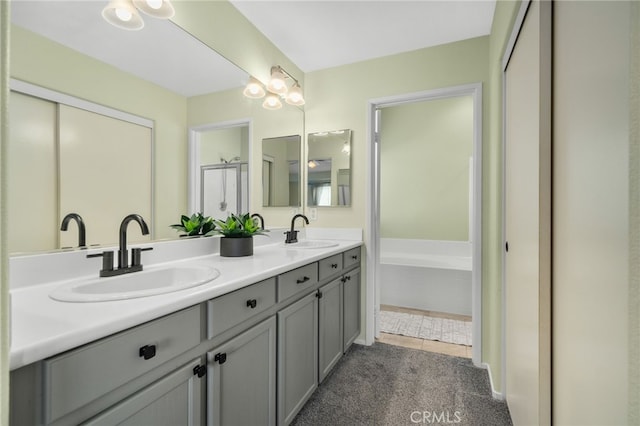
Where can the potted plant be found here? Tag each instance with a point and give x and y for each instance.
(197, 224)
(237, 235)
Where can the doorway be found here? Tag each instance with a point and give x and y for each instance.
(386, 250)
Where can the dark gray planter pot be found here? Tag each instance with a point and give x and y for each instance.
(236, 247)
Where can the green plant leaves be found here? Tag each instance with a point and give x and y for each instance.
(238, 226)
(197, 224)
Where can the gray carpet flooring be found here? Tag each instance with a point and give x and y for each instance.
(390, 385)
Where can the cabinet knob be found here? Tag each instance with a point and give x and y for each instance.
(319, 294)
(347, 277)
(220, 358)
(199, 370)
(354, 257)
(147, 351)
(302, 280)
(334, 265)
(252, 303)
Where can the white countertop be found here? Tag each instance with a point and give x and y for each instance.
(42, 327)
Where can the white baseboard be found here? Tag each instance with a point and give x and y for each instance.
(496, 395)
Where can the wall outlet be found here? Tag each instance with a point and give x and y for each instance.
(313, 213)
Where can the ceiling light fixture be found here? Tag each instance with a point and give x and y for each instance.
(277, 88)
(123, 14)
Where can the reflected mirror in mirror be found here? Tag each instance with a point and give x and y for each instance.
(224, 171)
(281, 171)
(122, 70)
(329, 169)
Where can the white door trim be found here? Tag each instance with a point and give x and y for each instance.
(372, 224)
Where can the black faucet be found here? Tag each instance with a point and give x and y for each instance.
(123, 255)
(261, 219)
(292, 235)
(82, 235)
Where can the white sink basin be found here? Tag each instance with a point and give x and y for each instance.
(311, 244)
(148, 282)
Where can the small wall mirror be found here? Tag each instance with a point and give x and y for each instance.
(281, 171)
(329, 169)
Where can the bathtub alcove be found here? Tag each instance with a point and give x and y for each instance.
(427, 275)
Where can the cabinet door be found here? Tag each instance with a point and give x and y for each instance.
(242, 378)
(330, 327)
(173, 400)
(351, 307)
(297, 356)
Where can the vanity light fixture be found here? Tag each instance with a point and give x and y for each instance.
(272, 102)
(161, 9)
(254, 89)
(124, 13)
(276, 89)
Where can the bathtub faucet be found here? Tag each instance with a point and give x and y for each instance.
(292, 235)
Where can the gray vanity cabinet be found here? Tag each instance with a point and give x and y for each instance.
(176, 399)
(330, 331)
(242, 378)
(297, 356)
(351, 303)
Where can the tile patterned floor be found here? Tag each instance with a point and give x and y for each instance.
(422, 344)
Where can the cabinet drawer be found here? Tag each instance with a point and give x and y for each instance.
(82, 375)
(329, 266)
(233, 308)
(297, 280)
(351, 257)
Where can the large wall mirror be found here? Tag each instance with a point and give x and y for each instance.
(281, 171)
(329, 168)
(123, 71)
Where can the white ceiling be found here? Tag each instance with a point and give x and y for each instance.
(318, 34)
(314, 34)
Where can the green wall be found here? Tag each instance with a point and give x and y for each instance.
(425, 149)
(503, 20)
(44, 63)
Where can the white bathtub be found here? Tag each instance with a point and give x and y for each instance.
(425, 274)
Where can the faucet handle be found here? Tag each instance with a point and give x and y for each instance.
(107, 260)
(136, 257)
(292, 237)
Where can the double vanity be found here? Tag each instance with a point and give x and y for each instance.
(238, 341)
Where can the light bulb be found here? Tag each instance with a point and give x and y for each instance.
(254, 89)
(272, 101)
(154, 4)
(123, 14)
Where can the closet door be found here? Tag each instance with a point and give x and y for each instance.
(32, 190)
(105, 173)
(527, 220)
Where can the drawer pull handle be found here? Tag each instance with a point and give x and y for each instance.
(347, 277)
(199, 370)
(147, 351)
(319, 294)
(354, 257)
(220, 358)
(252, 303)
(334, 265)
(303, 280)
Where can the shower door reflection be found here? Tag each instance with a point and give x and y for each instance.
(224, 189)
